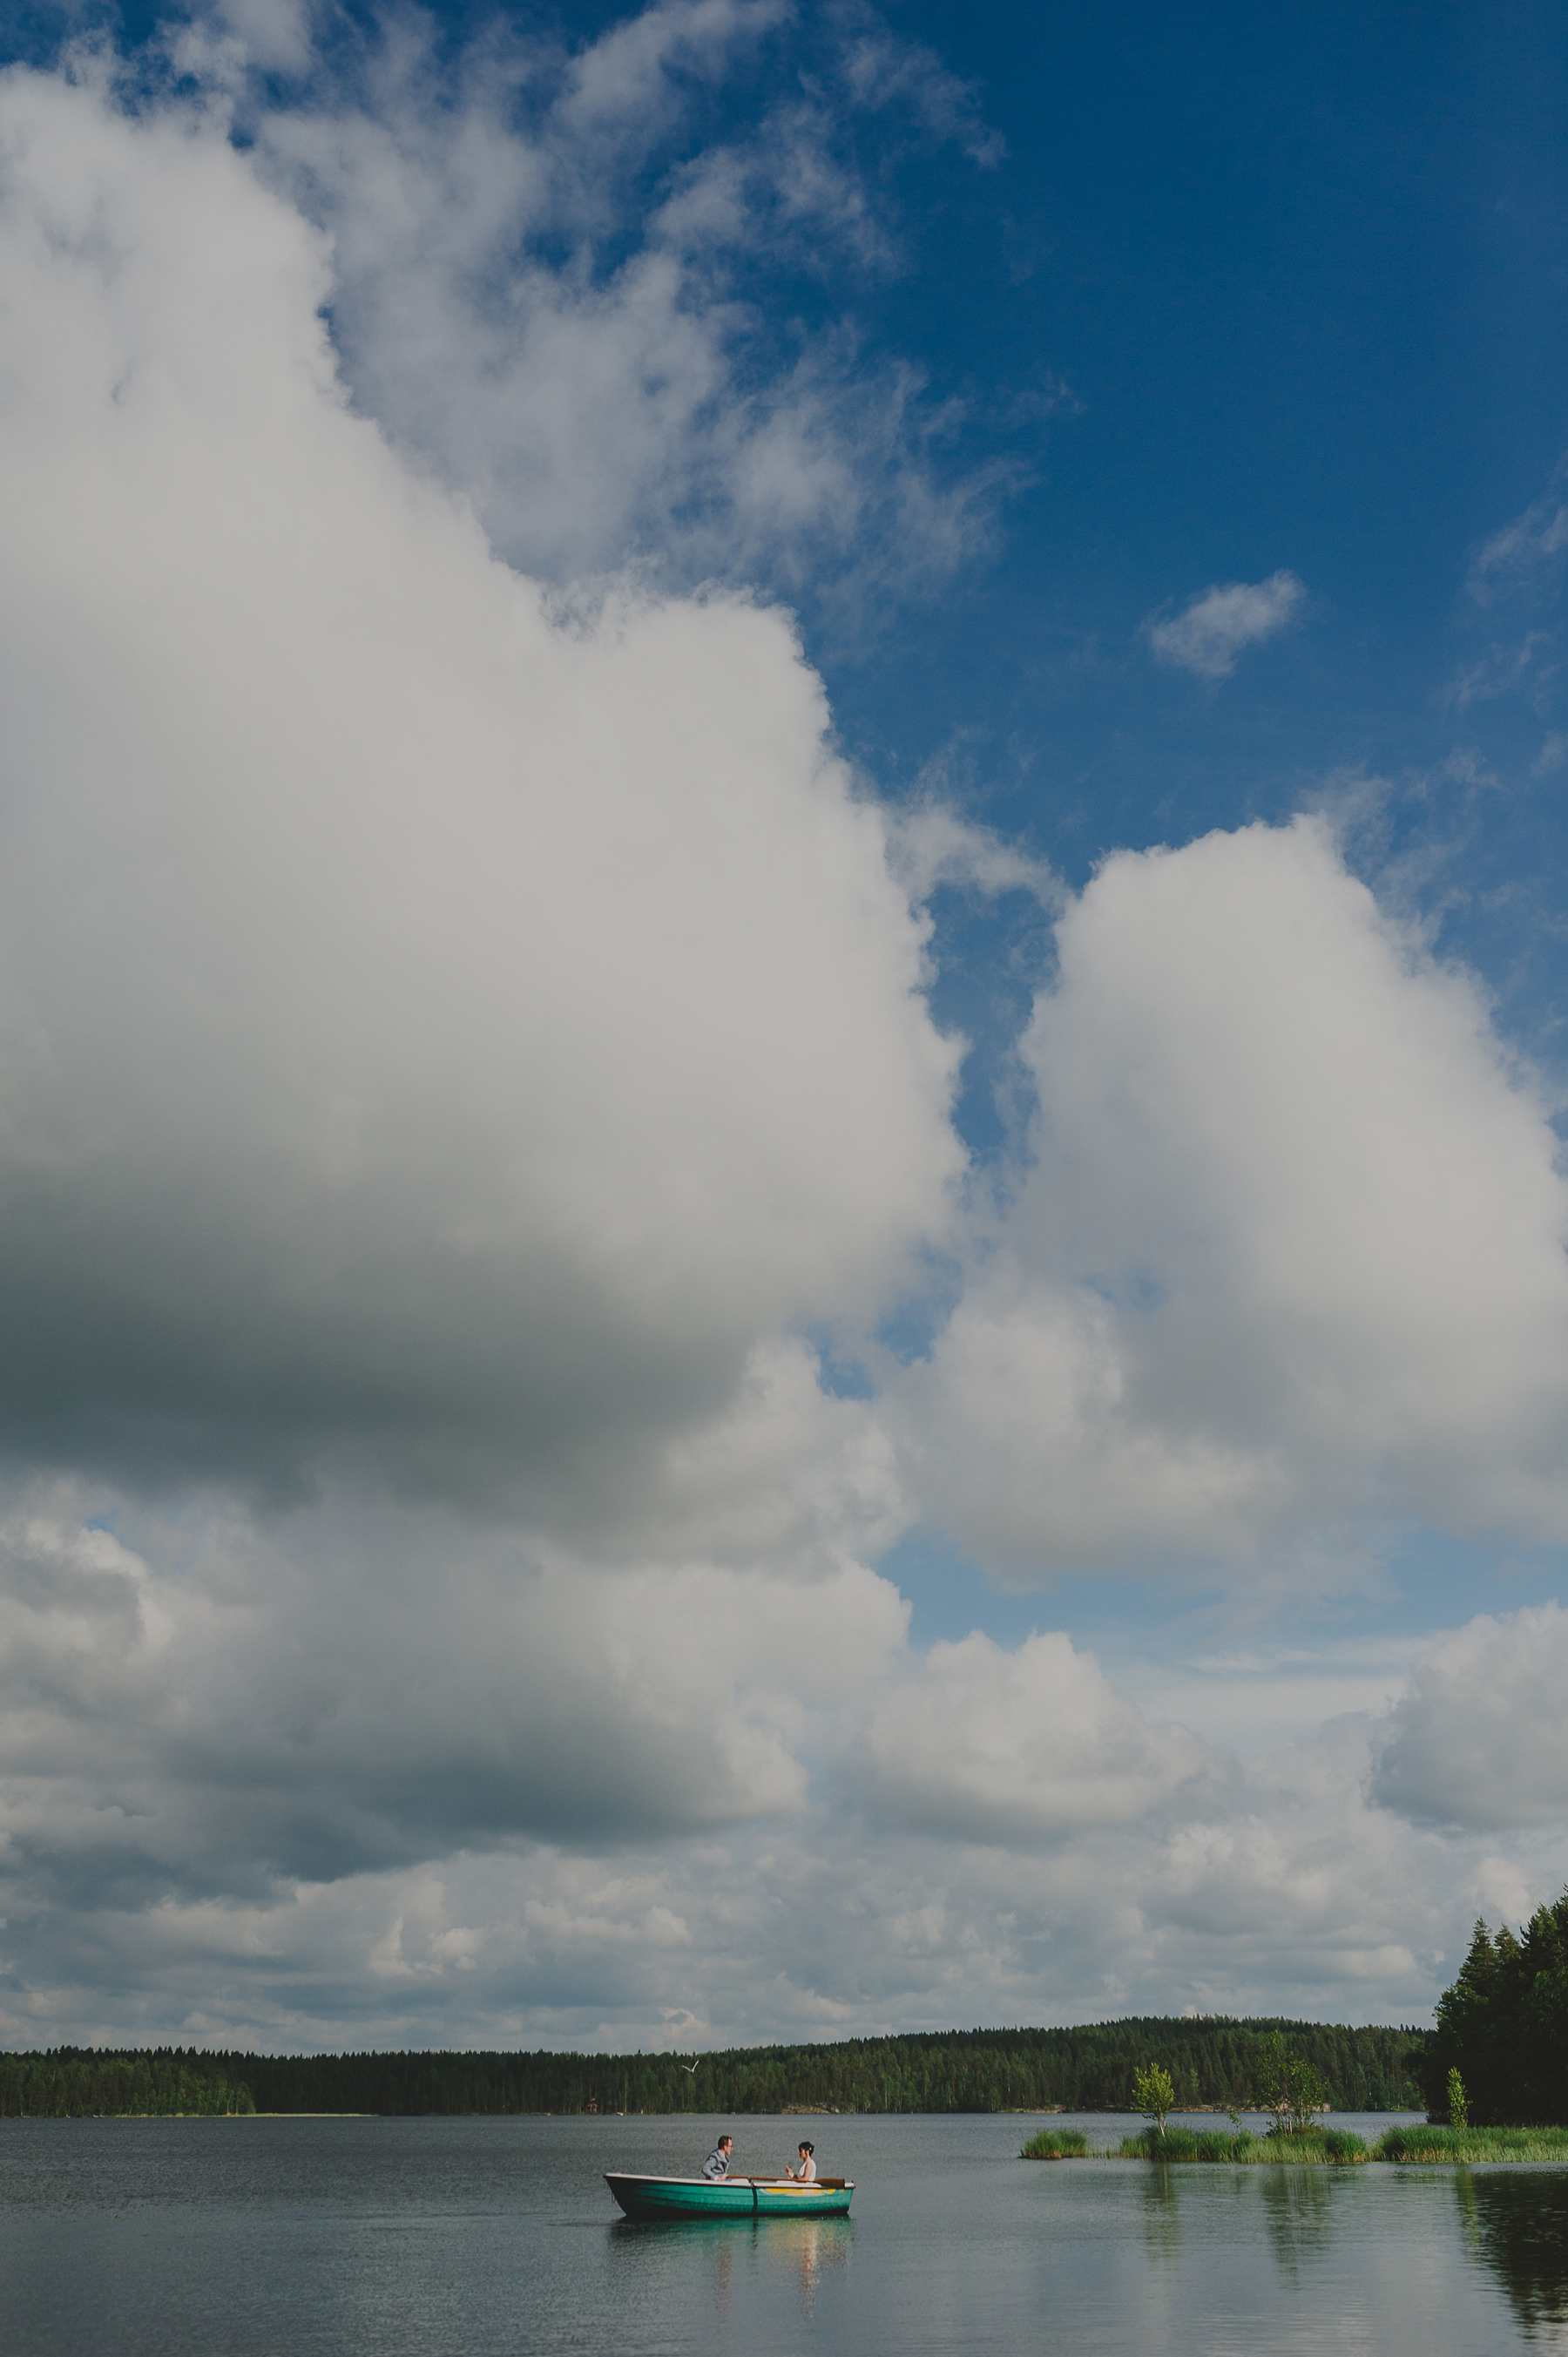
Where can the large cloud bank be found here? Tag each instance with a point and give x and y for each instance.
(464, 1065)
(433, 1028)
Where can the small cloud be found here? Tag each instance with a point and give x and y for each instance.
(1553, 753)
(932, 845)
(276, 33)
(1522, 549)
(1210, 632)
(1525, 669)
(1049, 396)
(882, 70)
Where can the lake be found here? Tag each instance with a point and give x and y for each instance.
(464, 2237)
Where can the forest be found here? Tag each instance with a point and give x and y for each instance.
(74, 2084)
(1213, 2063)
(1503, 2028)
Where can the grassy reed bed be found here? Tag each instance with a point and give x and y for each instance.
(1309, 2148)
(1056, 2144)
(1451, 2144)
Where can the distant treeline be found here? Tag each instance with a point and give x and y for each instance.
(1214, 2062)
(73, 2084)
(1503, 2026)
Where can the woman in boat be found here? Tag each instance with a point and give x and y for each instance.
(807, 2172)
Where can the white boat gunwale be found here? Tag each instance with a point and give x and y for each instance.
(664, 2177)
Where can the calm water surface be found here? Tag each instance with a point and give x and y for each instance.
(372, 2238)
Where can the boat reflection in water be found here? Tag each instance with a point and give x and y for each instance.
(768, 2252)
(805, 2248)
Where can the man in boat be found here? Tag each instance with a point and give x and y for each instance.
(717, 2162)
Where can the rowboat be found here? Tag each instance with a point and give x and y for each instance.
(729, 2197)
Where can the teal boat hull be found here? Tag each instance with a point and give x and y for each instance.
(729, 2197)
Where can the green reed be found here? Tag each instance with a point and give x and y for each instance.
(1056, 2144)
(1444, 2144)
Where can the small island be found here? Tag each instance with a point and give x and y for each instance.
(1493, 2076)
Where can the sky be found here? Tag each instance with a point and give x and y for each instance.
(783, 955)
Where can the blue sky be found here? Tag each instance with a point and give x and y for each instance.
(1302, 271)
(782, 1015)
(1293, 284)
(1301, 275)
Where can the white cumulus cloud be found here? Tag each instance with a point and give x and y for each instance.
(360, 1687)
(1480, 1738)
(547, 283)
(1292, 1245)
(1026, 1746)
(439, 1028)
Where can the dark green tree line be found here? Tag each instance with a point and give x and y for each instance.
(72, 2083)
(1213, 2063)
(1503, 2027)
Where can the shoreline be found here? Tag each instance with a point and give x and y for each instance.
(1432, 2145)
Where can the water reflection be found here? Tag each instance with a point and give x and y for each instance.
(1296, 2205)
(1162, 2214)
(804, 2248)
(799, 2251)
(1296, 2211)
(1518, 2227)
(724, 2250)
